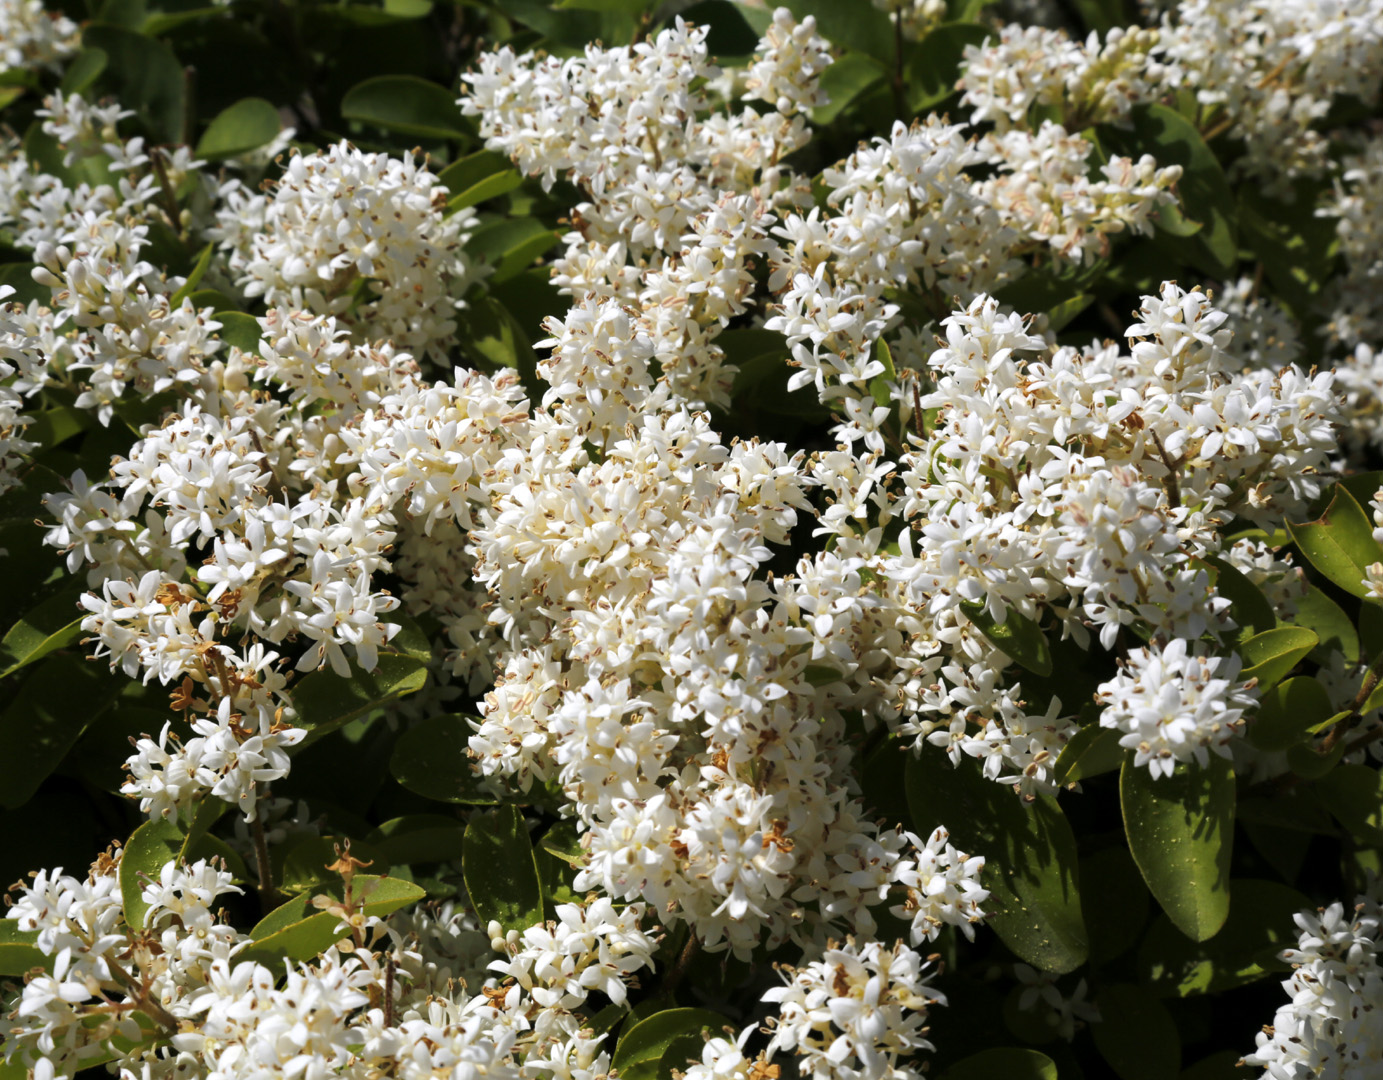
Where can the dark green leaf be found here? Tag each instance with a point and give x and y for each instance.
(500, 871)
(1092, 751)
(431, 759)
(406, 104)
(1340, 542)
(1259, 924)
(189, 286)
(1008, 1062)
(510, 245)
(1018, 636)
(1248, 606)
(1318, 613)
(419, 838)
(145, 76)
(85, 69)
(846, 80)
(1031, 867)
(642, 1047)
(1114, 901)
(1287, 712)
(1180, 830)
(324, 701)
(241, 330)
(298, 931)
(149, 848)
(19, 951)
(480, 176)
(1272, 654)
(53, 624)
(1204, 192)
(933, 66)
(247, 125)
(1136, 1034)
(42, 722)
(1354, 794)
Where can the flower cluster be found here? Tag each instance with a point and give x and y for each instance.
(1330, 1027)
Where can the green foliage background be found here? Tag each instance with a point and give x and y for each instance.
(1171, 898)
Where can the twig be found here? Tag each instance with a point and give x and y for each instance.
(1356, 708)
(678, 971)
(899, 101)
(264, 869)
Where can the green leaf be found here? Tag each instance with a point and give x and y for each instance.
(298, 931)
(51, 625)
(19, 276)
(1205, 194)
(492, 334)
(1092, 751)
(1114, 901)
(19, 951)
(643, 1046)
(247, 125)
(145, 76)
(1354, 795)
(43, 721)
(844, 81)
(1136, 1034)
(849, 26)
(500, 871)
(1180, 830)
(933, 65)
(1018, 636)
(305, 864)
(1287, 712)
(241, 330)
(510, 245)
(1031, 867)
(1271, 655)
(477, 177)
(1317, 612)
(1340, 542)
(1006, 1062)
(1310, 764)
(431, 759)
(1259, 924)
(728, 32)
(149, 848)
(1249, 607)
(325, 701)
(419, 838)
(198, 272)
(406, 104)
(85, 69)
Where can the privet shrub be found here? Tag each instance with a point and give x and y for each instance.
(546, 542)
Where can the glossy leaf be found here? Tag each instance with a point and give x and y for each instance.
(1092, 751)
(1354, 795)
(145, 76)
(149, 848)
(1136, 1034)
(1271, 655)
(1340, 542)
(1008, 1062)
(188, 287)
(51, 625)
(1018, 636)
(431, 758)
(1249, 607)
(241, 330)
(500, 871)
(1031, 865)
(325, 701)
(510, 245)
(477, 177)
(642, 1047)
(298, 931)
(43, 721)
(19, 951)
(1204, 193)
(1317, 612)
(1181, 833)
(406, 104)
(844, 81)
(1287, 712)
(1259, 925)
(933, 67)
(247, 125)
